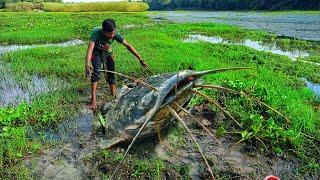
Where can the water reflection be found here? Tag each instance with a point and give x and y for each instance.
(273, 48)
(12, 92)
(9, 48)
(312, 86)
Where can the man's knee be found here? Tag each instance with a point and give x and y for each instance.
(95, 75)
(110, 66)
(96, 62)
(111, 79)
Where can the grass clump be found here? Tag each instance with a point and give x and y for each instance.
(133, 167)
(176, 137)
(14, 145)
(96, 7)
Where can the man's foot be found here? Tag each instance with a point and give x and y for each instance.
(93, 105)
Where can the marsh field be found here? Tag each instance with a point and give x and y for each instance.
(47, 130)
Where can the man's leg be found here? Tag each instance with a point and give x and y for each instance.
(110, 78)
(93, 104)
(113, 89)
(96, 63)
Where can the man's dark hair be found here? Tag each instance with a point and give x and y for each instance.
(109, 25)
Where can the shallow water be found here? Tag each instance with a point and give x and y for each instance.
(297, 25)
(9, 48)
(273, 48)
(315, 88)
(13, 92)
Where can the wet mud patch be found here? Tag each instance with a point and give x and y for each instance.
(71, 130)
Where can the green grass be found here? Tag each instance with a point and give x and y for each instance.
(176, 137)
(48, 61)
(35, 28)
(276, 81)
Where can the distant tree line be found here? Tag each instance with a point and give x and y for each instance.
(235, 4)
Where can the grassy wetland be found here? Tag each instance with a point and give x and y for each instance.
(276, 81)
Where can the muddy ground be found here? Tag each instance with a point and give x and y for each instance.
(80, 154)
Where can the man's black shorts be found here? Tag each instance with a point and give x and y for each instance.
(107, 63)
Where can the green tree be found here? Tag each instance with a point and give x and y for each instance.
(2, 4)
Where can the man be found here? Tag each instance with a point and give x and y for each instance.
(100, 52)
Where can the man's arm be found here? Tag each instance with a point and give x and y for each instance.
(89, 53)
(88, 58)
(134, 52)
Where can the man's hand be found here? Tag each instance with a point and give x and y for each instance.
(143, 64)
(88, 71)
(87, 60)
